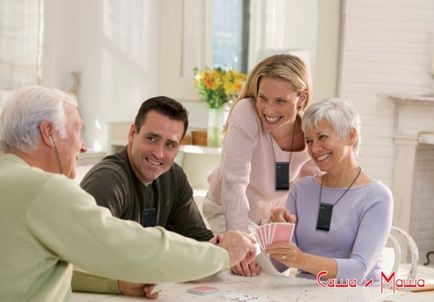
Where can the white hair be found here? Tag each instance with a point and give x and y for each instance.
(341, 116)
(23, 112)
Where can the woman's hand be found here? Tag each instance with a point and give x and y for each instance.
(287, 253)
(281, 215)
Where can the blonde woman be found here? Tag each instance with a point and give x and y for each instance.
(263, 149)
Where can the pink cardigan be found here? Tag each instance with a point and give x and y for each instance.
(244, 182)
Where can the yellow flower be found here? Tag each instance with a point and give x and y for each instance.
(218, 86)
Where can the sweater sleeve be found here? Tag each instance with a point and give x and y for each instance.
(188, 221)
(67, 221)
(85, 282)
(291, 206)
(107, 185)
(240, 140)
(370, 240)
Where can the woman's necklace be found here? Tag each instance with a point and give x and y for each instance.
(283, 172)
(326, 209)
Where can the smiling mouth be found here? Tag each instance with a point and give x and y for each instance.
(153, 162)
(272, 120)
(322, 157)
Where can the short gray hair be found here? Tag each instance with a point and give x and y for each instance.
(23, 112)
(340, 114)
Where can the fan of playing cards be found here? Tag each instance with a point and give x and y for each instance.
(274, 232)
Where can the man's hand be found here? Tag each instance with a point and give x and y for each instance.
(246, 269)
(281, 215)
(137, 289)
(239, 247)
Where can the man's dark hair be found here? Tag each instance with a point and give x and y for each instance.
(165, 106)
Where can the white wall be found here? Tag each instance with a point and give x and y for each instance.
(386, 49)
(325, 78)
(422, 211)
(115, 45)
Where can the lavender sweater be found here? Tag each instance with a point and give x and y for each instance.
(359, 229)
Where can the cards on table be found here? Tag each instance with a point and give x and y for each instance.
(203, 290)
(274, 232)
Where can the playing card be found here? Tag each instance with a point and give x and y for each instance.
(203, 290)
(283, 232)
(274, 232)
(263, 236)
(268, 233)
(259, 238)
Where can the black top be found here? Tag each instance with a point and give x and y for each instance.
(115, 186)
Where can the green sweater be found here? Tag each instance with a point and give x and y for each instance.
(48, 223)
(114, 185)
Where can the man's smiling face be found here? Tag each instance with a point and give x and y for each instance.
(152, 149)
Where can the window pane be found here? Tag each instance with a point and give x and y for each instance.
(230, 33)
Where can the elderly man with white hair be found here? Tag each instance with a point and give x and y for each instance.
(48, 223)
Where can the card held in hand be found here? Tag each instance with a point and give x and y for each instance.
(283, 232)
(274, 232)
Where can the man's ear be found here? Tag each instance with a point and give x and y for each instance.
(132, 133)
(46, 131)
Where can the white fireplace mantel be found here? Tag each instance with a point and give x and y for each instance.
(414, 116)
(413, 125)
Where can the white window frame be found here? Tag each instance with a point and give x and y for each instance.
(188, 33)
(186, 40)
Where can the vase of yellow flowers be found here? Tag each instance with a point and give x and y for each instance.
(217, 86)
(216, 119)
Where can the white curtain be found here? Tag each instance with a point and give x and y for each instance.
(20, 43)
(278, 26)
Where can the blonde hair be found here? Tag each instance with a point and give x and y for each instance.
(284, 66)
